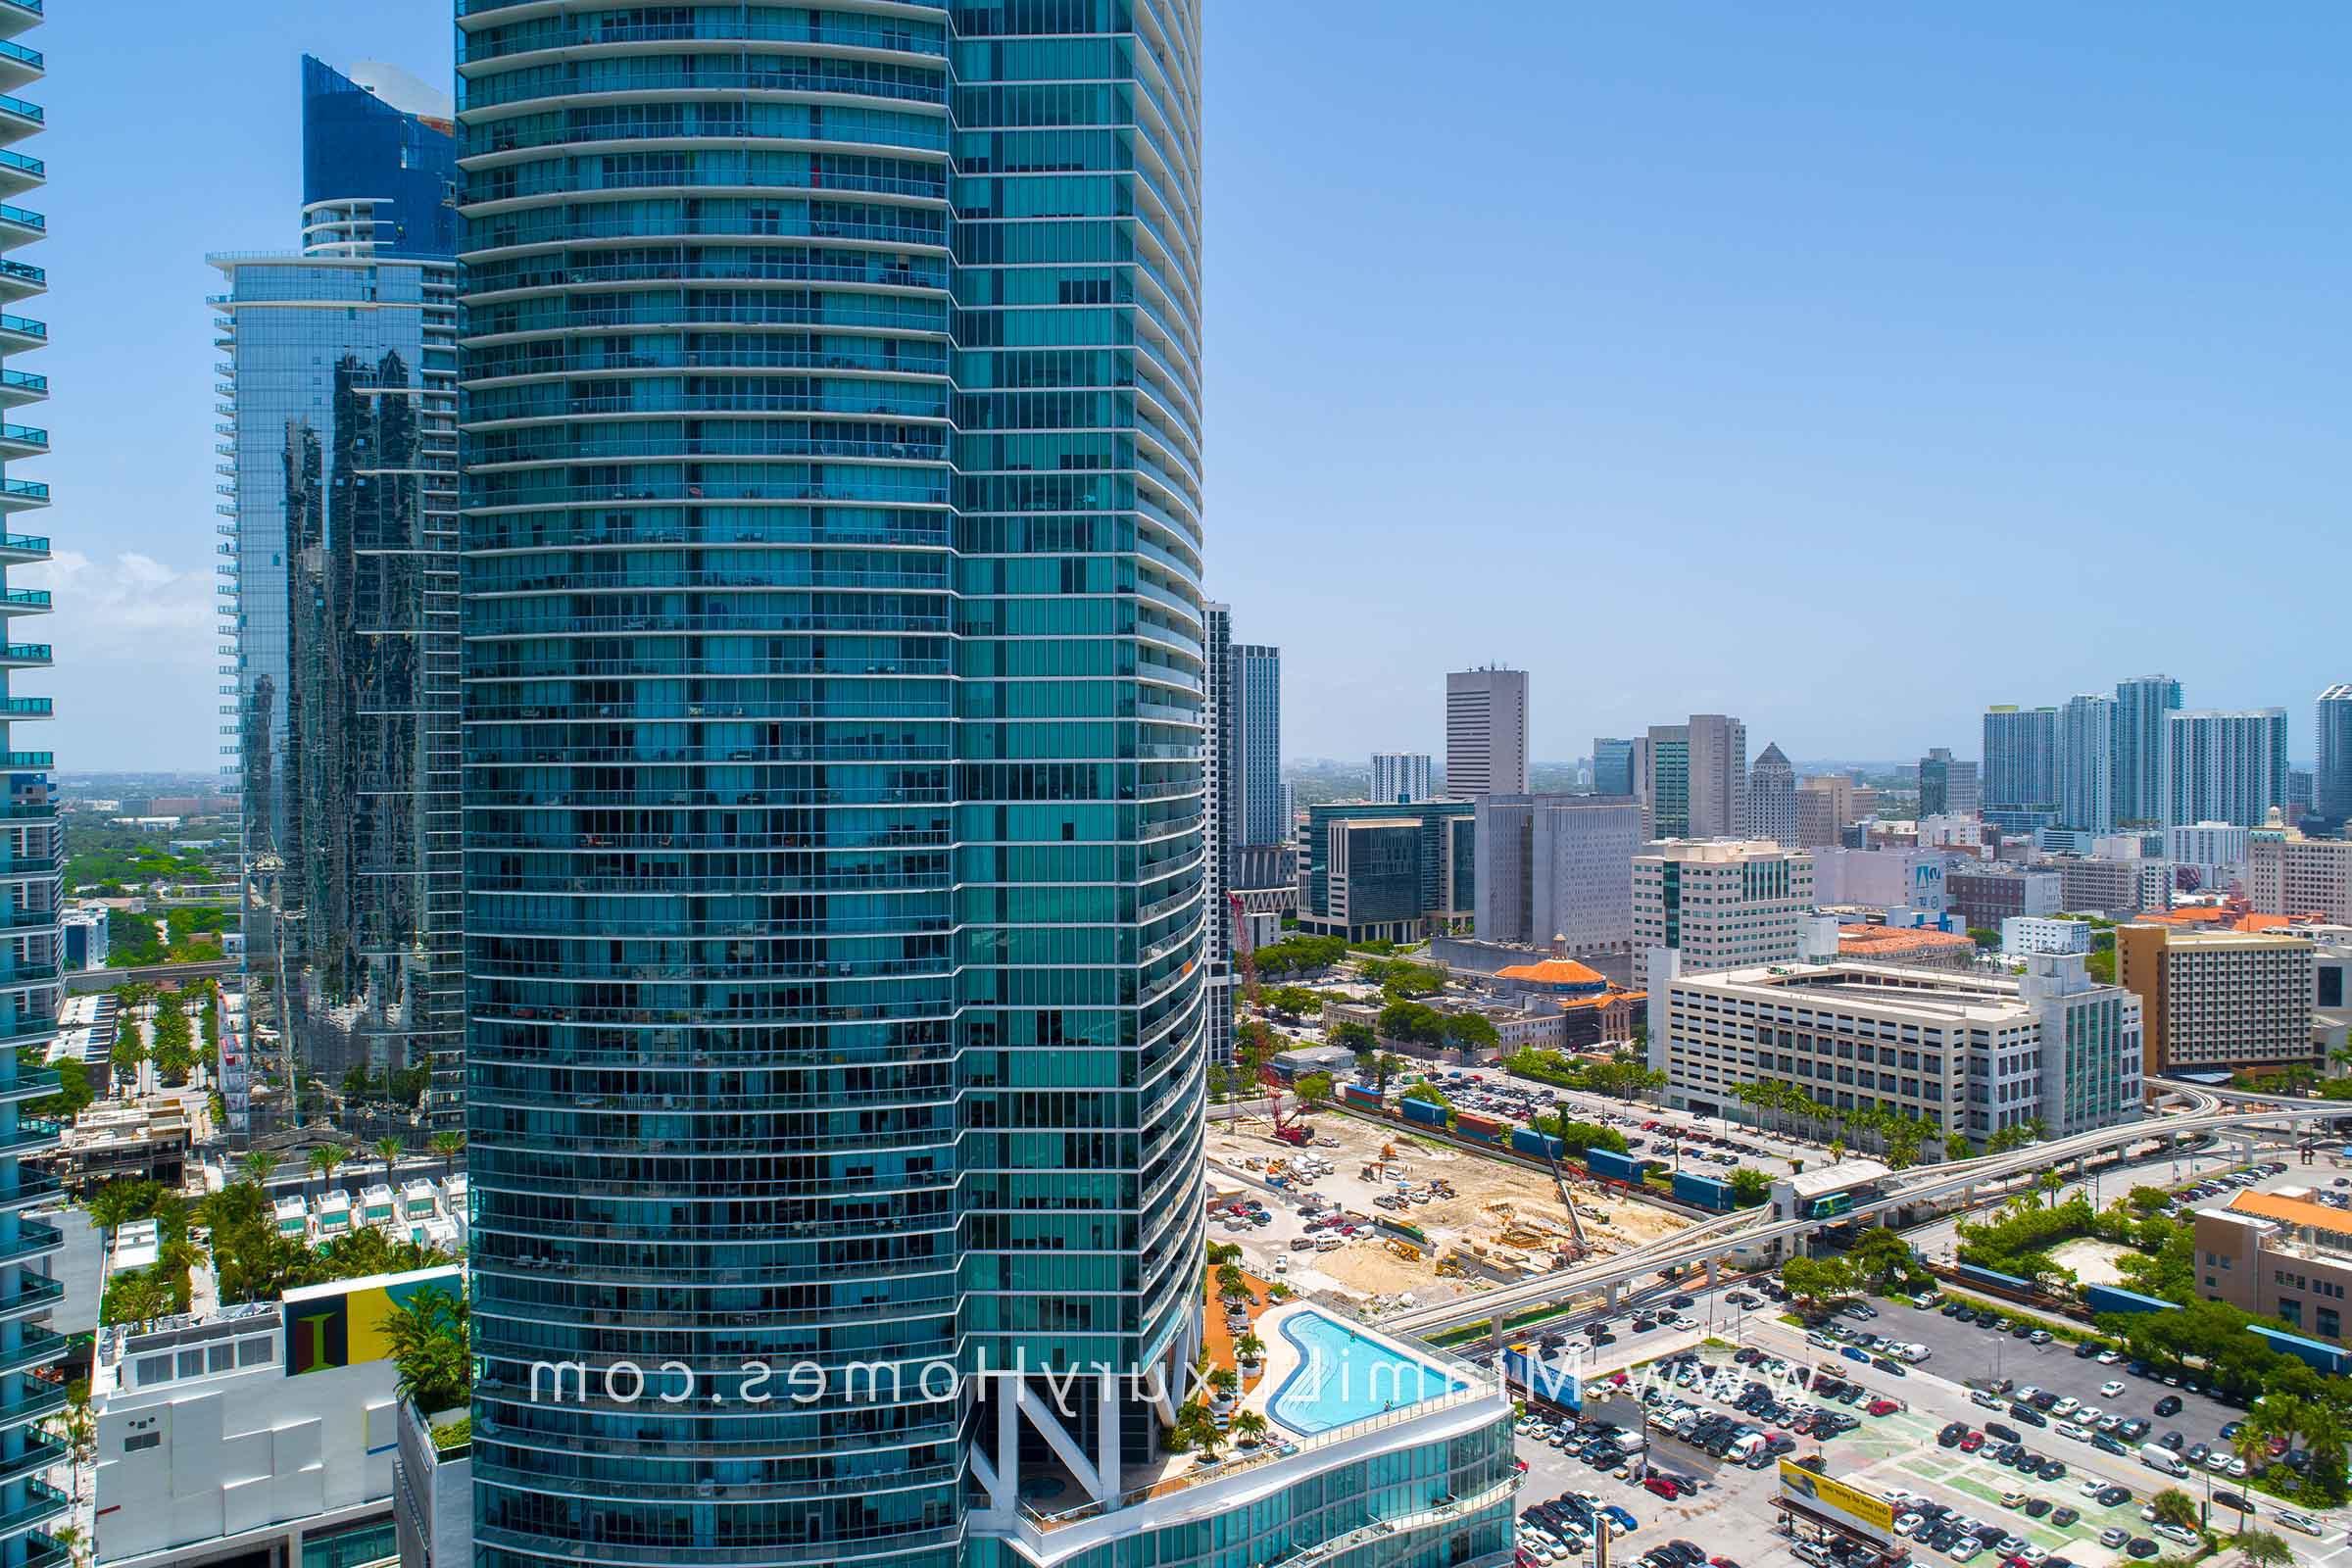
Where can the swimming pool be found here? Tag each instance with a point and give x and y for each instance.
(1344, 1375)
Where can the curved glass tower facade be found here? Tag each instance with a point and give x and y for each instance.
(833, 803)
(31, 873)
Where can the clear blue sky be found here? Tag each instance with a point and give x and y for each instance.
(1846, 367)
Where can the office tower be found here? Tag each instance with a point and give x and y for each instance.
(2223, 766)
(1218, 817)
(1664, 788)
(2287, 873)
(342, 456)
(1694, 783)
(1400, 776)
(835, 889)
(2086, 763)
(1772, 798)
(1613, 766)
(1947, 786)
(1557, 867)
(1255, 780)
(1375, 872)
(1824, 804)
(1719, 904)
(2331, 780)
(1486, 732)
(2021, 759)
(2140, 706)
(31, 1512)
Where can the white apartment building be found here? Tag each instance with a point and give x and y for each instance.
(2287, 873)
(2217, 849)
(1719, 904)
(1885, 879)
(1402, 778)
(2022, 935)
(260, 1432)
(1968, 1053)
(2222, 767)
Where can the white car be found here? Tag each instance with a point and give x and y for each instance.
(2110, 1389)
(2066, 1407)
(2297, 1521)
(2090, 1415)
(2110, 1357)
(2068, 1429)
(1906, 1524)
(2218, 1461)
(2178, 1536)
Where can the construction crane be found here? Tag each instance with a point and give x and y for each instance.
(1292, 1128)
(1576, 1226)
(1243, 950)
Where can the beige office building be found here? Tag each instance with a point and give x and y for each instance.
(1720, 903)
(2287, 873)
(2220, 1001)
(2279, 1255)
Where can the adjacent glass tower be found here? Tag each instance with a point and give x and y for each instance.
(833, 800)
(31, 851)
(339, 457)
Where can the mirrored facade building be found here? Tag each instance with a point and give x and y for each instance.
(36, 1500)
(339, 459)
(836, 885)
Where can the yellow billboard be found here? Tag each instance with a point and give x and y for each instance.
(1849, 1506)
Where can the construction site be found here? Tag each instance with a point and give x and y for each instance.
(1428, 1221)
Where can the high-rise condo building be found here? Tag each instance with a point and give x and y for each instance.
(2223, 766)
(1613, 770)
(2086, 763)
(1254, 739)
(1947, 786)
(1557, 867)
(1400, 776)
(1772, 798)
(2140, 705)
(341, 455)
(834, 808)
(1216, 771)
(33, 1511)
(2021, 759)
(1486, 732)
(2331, 780)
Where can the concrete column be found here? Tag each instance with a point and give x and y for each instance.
(1710, 1273)
(1616, 1291)
(1107, 1408)
(1008, 1489)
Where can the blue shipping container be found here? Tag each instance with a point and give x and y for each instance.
(1528, 1141)
(1996, 1280)
(2109, 1298)
(1613, 1166)
(1427, 1113)
(1707, 1191)
(1359, 1095)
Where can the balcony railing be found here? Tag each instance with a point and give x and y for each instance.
(29, 110)
(23, 489)
(34, 1293)
(24, 325)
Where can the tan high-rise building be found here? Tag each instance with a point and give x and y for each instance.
(2220, 1001)
(1721, 903)
(1824, 804)
(2287, 873)
(1486, 732)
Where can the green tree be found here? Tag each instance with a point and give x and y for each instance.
(2262, 1548)
(2176, 1507)
(389, 1148)
(259, 1166)
(1415, 1021)
(1750, 1185)
(358, 1083)
(447, 1146)
(1250, 1428)
(2050, 1183)
(1385, 1067)
(1350, 1035)
(1314, 1088)
(130, 1048)
(1468, 1031)
(1815, 1282)
(324, 1161)
(429, 1339)
(1984, 936)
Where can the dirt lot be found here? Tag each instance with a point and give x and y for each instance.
(1525, 1227)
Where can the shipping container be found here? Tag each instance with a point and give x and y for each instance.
(2109, 1298)
(1468, 1121)
(1425, 1112)
(1610, 1165)
(1543, 1146)
(1476, 1135)
(1405, 1230)
(1360, 1096)
(1707, 1191)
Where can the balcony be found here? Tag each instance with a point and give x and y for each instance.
(20, 387)
(33, 1133)
(19, 174)
(20, 495)
(42, 1503)
(21, 334)
(25, 707)
(22, 281)
(26, 761)
(40, 1347)
(26, 807)
(40, 1400)
(16, 549)
(34, 1293)
(18, 226)
(17, 15)
(32, 1083)
(18, 65)
(32, 1187)
(23, 441)
(24, 601)
(34, 1240)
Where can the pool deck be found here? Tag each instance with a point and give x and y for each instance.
(1282, 1358)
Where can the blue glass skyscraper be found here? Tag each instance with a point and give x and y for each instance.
(31, 851)
(340, 456)
(834, 836)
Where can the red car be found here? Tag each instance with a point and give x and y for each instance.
(1972, 1442)
(1664, 1486)
(1882, 1407)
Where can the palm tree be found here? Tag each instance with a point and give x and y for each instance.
(2324, 1439)
(259, 1165)
(1229, 1279)
(324, 1162)
(1249, 1349)
(1250, 1427)
(2050, 1183)
(2262, 1548)
(447, 1146)
(2252, 1444)
(389, 1150)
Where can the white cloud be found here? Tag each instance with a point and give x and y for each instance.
(135, 609)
